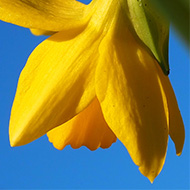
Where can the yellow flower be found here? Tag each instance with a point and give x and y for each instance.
(91, 82)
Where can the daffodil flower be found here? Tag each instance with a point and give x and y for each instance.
(94, 80)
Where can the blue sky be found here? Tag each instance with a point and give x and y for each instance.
(39, 165)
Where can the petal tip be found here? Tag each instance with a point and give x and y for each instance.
(178, 153)
(151, 180)
(13, 142)
(150, 177)
(151, 174)
(18, 138)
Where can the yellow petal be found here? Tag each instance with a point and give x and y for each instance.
(52, 15)
(88, 128)
(132, 99)
(56, 84)
(176, 127)
(39, 32)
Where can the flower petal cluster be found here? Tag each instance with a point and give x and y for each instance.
(91, 82)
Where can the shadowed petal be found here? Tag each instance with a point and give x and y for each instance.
(52, 15)
(39, 32)
(56, 84)
(88, 129)
(132, 99)
(176, 127)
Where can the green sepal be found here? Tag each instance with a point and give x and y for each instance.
(152, 30)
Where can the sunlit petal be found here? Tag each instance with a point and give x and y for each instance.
(88, 129)
(52, 15)
(133, 101)
(56, 84)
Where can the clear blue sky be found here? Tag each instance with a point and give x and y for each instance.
(39, 165)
